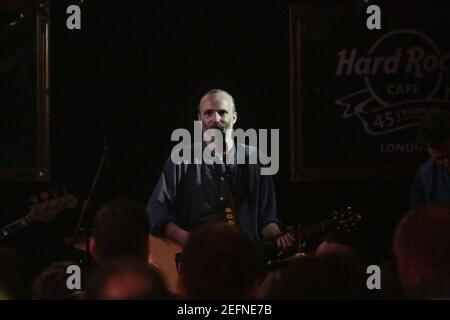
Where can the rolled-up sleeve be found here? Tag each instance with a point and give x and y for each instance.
(160, 207)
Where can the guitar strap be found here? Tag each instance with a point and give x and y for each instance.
(238, 186)
(230, 212)
(237, 189)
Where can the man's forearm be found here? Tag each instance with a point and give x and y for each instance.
(175, 233)
(271, 230)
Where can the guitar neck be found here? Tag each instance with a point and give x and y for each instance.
(270, 247)
(15, 226)
(313, 230)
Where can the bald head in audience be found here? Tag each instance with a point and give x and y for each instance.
(422, 252)
(126, 279)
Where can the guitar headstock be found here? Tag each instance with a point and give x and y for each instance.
(345, 220)
(47, 210)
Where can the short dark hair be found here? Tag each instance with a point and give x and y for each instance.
(50, 284)
(121, 228)
(434, 128)
(130, 278)
(310, 277)
(220, 262)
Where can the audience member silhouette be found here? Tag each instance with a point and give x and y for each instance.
(309, 277)
(51, 284)
(120, 228)
(126, 279)
(220, 262)
(422, 252)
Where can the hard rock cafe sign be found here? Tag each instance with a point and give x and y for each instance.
(402, 73)
(358, 94)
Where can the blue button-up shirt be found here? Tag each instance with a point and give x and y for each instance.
(430, 185)
(188, 194)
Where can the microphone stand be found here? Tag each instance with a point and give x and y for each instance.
(87, 202)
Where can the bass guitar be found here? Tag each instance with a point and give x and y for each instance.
(40, 212)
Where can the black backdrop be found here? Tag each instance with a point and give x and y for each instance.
(135, 72)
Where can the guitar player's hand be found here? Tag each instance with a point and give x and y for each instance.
(286, 241)
(175, 233)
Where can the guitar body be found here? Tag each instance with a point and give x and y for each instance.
(163, 251)
(162, 255)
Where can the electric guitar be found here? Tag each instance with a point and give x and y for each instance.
(42, 212)
(163, 251)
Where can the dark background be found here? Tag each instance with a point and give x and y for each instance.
(17, 89)
(135, 72)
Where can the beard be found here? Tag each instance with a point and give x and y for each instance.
(219, 126)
